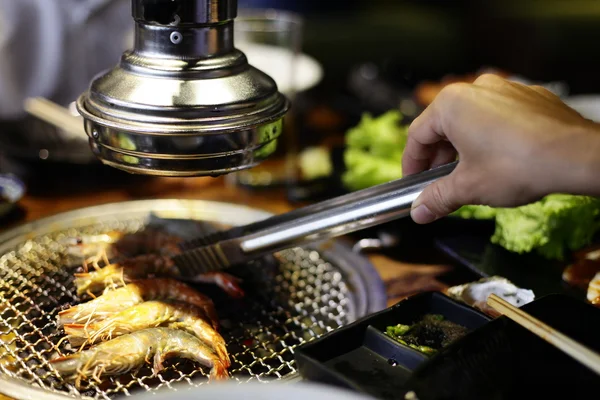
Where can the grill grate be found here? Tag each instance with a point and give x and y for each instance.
(290, 300)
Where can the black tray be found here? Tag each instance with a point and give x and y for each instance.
(468, 242)
(503, 360)
(360, 356)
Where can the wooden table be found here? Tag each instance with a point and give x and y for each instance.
(401, 278)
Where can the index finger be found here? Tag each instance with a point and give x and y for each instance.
(423, 136)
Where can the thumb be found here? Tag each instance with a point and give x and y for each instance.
(437, 200)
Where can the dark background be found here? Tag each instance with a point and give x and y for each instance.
(540, 39)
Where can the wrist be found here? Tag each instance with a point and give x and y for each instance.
(580, 165)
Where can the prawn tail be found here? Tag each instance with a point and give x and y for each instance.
(219, 371)
(213, 317)
(221, 351)
(233, 289)
(228, 283)
(157, 364)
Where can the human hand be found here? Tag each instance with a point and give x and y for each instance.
(515, 143)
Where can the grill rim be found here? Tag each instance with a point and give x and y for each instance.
(357, 269)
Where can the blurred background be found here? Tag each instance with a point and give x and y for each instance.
(366, 56)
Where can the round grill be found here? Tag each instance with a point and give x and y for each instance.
(290, 299)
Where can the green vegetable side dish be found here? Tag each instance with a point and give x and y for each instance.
(429, 335)
(393, 332)
(551, 227)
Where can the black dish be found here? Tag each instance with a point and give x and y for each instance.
(468, 243)
(360, 356)
(503, 360)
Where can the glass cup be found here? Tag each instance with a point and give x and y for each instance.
(272, 41)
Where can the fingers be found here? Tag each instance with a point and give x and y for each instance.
(427, 143)
(434, 156)
(417, 157)
(439, 199)
(498, 83)
(444, 154)
(491, 81)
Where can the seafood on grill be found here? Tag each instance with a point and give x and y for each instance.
(117, 244)
(131, 351)
(137, 298)
(139, 267)
(135, 256)
(150, 314)
(113, 301)
(113, 275)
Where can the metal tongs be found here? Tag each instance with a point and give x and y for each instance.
(328, 219)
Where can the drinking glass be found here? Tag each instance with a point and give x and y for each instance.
(272, 41)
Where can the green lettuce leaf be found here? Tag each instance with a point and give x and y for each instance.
(476, 212)
(374, 150)
(556, 224)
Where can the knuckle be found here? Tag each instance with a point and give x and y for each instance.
(489, 80)
(453, 92)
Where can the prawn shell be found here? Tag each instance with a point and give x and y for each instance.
(149, 314)
(134, 293)
(131, 351)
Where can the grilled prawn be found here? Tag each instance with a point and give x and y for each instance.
(135, 256)
(150, 314)
(131, 351)
(113, 301)
(117, 244)
(143, 266)
(125, 272)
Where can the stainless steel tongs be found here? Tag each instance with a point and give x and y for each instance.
(320, 221)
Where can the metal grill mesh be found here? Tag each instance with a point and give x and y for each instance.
(289, 301)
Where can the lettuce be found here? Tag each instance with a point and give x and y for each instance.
(374, 150)
(556, 224)
(551, 227)
(476, 212)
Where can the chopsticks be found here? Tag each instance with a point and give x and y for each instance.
(574, 349)
(56, 115)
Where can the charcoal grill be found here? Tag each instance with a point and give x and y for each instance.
(292, 298)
